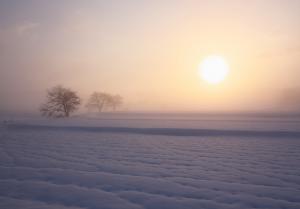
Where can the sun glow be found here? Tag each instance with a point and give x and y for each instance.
(213, 69)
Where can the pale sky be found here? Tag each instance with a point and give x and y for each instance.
(149, 52)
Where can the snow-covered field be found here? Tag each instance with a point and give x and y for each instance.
(150, 161)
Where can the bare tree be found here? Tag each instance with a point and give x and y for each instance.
(115, 102)
(101, 100)
(98, 100)
(61, 102)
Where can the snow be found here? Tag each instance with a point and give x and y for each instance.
(151, 162)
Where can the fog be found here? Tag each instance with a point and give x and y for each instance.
(149, 51)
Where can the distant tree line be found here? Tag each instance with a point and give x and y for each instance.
(61, 102)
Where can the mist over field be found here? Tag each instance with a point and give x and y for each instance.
(149, 52)
(149, 104)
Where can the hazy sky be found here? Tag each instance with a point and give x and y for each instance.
(149, 51)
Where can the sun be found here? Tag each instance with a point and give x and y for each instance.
(213, 69)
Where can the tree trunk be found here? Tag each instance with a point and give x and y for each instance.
(100, 107)
(67, 113)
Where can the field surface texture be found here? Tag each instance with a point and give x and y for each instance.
(137, 161)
